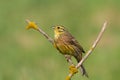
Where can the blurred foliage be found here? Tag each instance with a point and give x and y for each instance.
(27, 55)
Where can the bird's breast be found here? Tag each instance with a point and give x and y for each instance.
(63, 46)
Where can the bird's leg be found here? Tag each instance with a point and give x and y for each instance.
(72, 70)
(72, 67)
(68, 58)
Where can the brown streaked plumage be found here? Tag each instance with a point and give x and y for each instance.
(68, 45)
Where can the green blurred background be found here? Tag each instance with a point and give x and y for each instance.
(27, 55)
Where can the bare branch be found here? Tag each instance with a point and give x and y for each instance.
(34, 26)
(90, 50)
(48, 37)
(94, 45)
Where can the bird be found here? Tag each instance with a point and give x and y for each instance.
(66, 44)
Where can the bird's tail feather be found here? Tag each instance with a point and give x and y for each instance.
(83, 71)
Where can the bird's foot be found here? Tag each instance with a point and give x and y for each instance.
(68, 57)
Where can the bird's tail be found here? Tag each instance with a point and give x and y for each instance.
(82, 69)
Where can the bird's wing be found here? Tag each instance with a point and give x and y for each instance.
(74, 42)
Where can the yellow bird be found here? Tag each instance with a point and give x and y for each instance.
(68, 45)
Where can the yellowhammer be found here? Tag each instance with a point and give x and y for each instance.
(68, 45)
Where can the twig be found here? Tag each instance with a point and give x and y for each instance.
(34, 26)
(94, 45)
(91, 49)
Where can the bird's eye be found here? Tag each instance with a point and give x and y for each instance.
(58, 27)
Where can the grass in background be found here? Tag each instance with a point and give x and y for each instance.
(27, 55)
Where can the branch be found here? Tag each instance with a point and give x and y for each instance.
(73, 69)
(94, 45)
(34, 26)
(90, 50)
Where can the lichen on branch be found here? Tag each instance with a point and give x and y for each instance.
(31, 25)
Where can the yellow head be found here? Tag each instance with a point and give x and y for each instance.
(58, 30)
